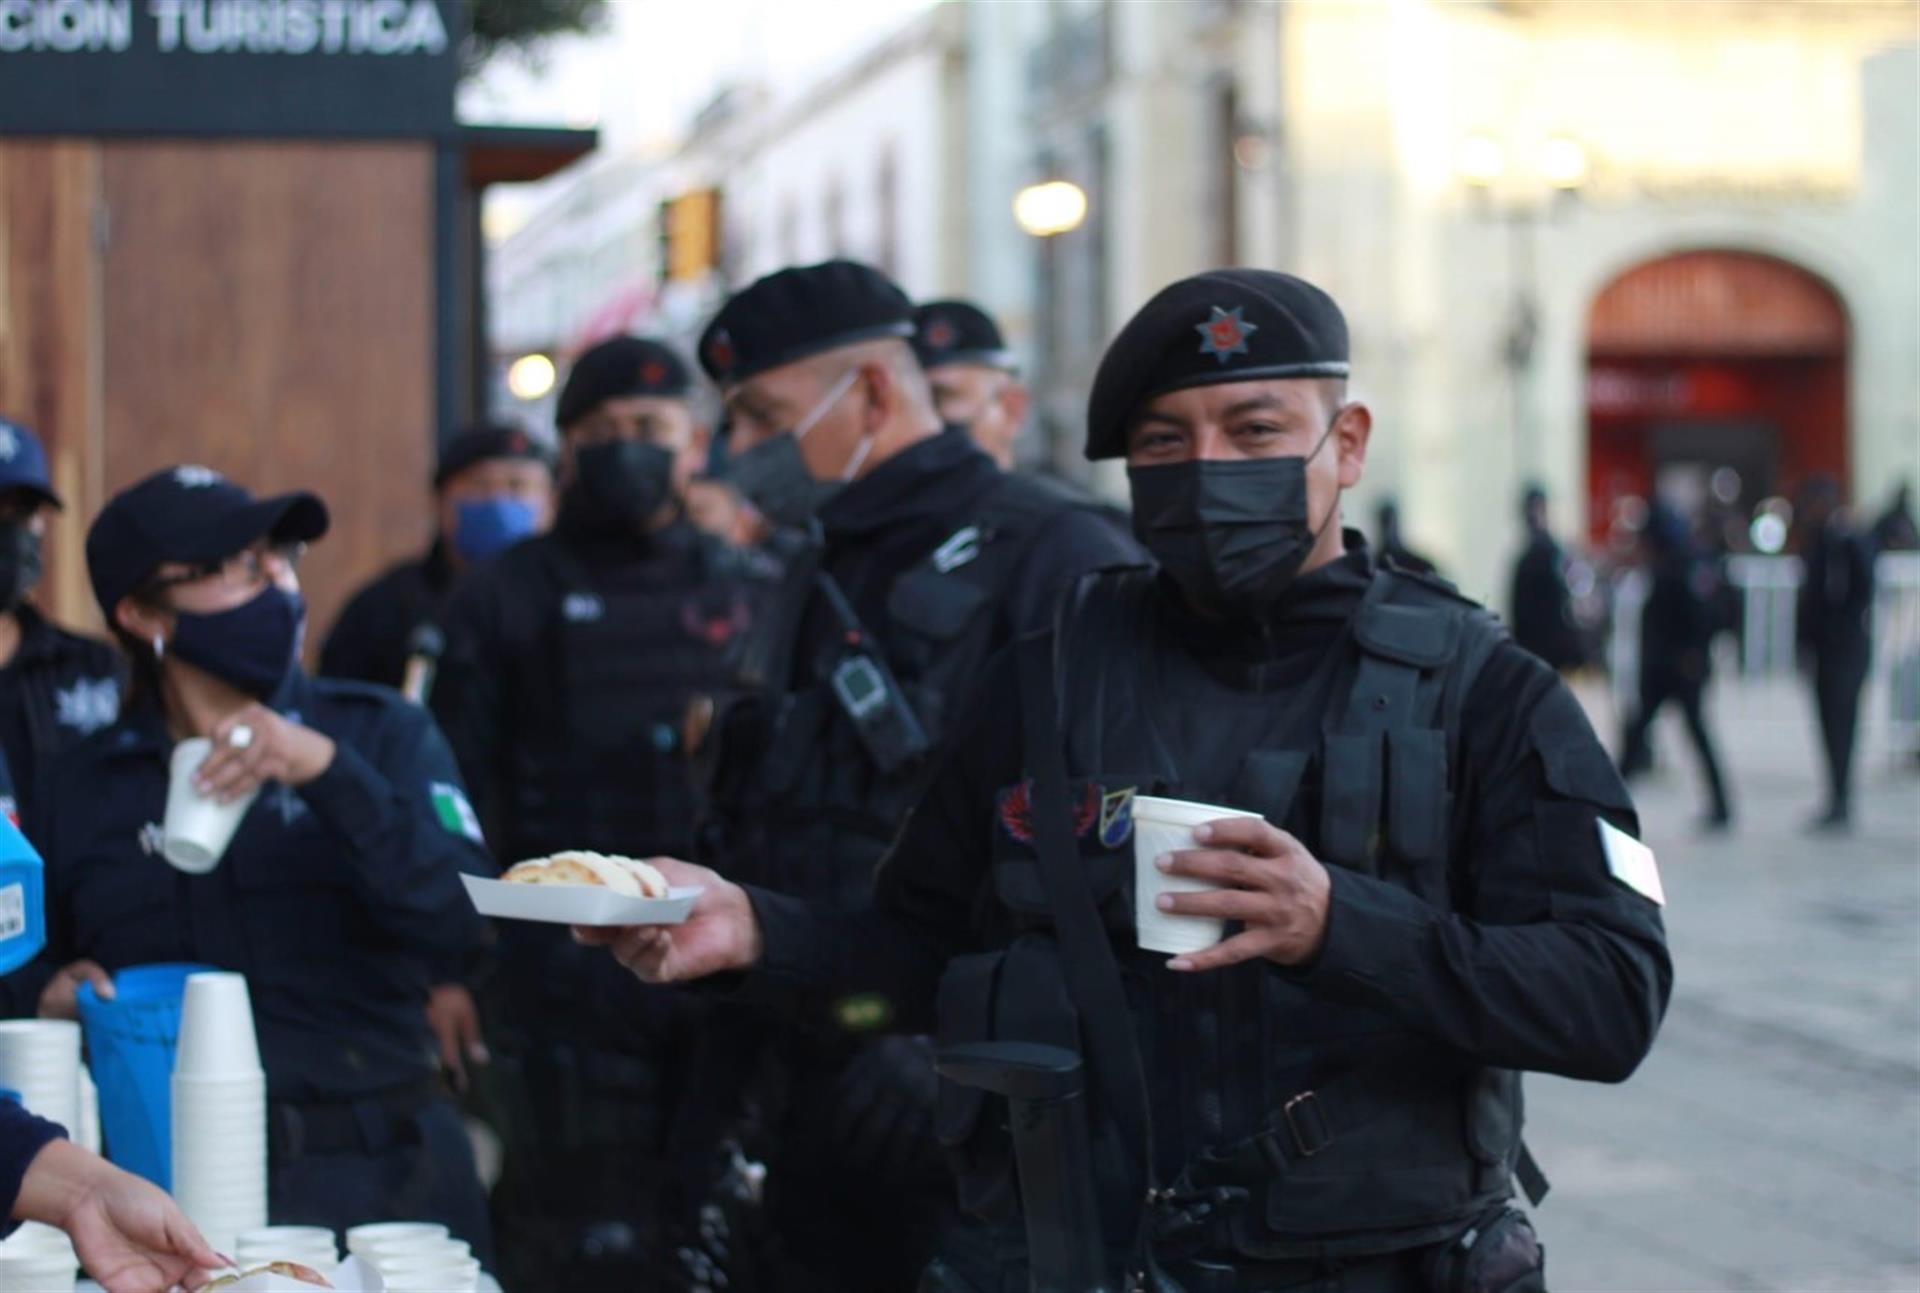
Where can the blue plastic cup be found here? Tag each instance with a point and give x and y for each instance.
(130, 1045)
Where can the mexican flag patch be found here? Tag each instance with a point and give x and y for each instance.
(455, 813)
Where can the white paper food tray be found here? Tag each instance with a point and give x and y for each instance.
(576, 904)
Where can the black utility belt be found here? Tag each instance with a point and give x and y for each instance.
(370, 1124)
(1386, 1273)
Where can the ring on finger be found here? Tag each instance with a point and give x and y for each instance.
(241, 737)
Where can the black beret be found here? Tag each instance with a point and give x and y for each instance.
(619, 367)
(958, 332)
(188, 514)
(485, 444)
(798, 312)
(1226, 325)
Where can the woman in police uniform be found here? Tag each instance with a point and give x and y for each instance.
(341, 885)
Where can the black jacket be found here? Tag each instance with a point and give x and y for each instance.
(371, 640)
(335, 899)
(58, 689)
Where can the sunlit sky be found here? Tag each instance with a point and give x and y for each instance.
(659, 61)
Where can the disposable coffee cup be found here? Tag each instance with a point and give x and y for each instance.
(389, 1252)
(361, 1239)
(198, 828)
(1162, 826)
(216, 1029)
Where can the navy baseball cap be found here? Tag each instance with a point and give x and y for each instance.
(187, 514)
(23, 462)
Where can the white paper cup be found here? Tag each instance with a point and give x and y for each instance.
(361, 1239)
(386, 1252)
(430, 1275)
(40, 1058)
(38, 1239)
(1166, 826)
(216, 1029)
(197, 829)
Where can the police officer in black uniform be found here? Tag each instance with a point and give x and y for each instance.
(341, 886)
(56, 687)
(913, 558)
(493, 487)
(975, 377)
(570, 665)
(1442, 888)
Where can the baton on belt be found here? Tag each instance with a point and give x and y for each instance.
(1045, 1087)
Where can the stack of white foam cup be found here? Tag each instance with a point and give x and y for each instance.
(40, 1058)
(38, 1259)
(219, 1111)
(311, 1246)
(416, 1257)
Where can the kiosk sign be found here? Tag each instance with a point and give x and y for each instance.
(229, 67)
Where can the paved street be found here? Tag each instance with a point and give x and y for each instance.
(1772, 1140)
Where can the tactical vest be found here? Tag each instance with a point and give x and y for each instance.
(1284, 1125)
(608, 769)
(804, 809)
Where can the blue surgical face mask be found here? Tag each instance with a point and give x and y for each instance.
(485, 527)
(252, 646)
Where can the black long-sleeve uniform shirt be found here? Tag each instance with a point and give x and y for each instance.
(1547, 962)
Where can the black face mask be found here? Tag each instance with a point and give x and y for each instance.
(252, 646)
(1232, 534)
(773, 475)
(20, 564)
(618, 488)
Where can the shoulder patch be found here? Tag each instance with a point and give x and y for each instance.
(455, 813)
(1631, 862)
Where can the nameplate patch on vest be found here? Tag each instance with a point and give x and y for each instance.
(1631, 862)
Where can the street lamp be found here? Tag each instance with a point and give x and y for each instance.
(530, 377)
(1050, 208)
(1561, 165)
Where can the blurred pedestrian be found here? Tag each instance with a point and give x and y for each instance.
(572, 662)
(974, 376)
(341, 887)
(129, 1235)
(56, 687)
(1393, 544)
(1676, 637)
(493, 487)
(1833, 623)
(1896, 530)
(1540, 604)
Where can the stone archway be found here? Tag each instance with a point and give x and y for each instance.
(1712, 361)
